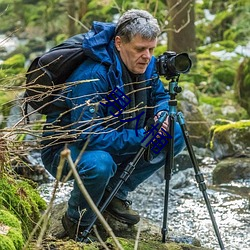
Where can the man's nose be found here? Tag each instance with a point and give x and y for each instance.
(146, 54)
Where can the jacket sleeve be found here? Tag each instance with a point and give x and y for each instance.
(89, 120)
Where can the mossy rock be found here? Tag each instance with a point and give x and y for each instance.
(11, 237)
(232, 139)
(128, 244)
(22, 200)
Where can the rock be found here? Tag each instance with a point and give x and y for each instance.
(232, 139)
(149, 237)
(188, 95)
(197, 125)
(181, 179)
(231, 169)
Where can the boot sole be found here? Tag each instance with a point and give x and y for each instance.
(121, 219)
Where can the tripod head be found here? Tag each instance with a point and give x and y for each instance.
(174, 89)
(171, 65)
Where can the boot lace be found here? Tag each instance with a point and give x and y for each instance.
(127, 203)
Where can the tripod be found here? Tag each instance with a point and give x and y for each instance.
(173, 90)
(127, 171)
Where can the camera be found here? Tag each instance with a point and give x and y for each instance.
(171, 65)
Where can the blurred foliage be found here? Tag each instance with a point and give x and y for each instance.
(221, 27)
(242, 84)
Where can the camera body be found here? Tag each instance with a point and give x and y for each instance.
(171, 65)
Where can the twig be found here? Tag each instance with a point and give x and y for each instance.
(137, 236)
(66, 154)
(99, 238)
(77, 21)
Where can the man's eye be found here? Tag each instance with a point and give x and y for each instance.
(139, 50)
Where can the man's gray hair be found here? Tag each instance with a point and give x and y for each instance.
(137, 22)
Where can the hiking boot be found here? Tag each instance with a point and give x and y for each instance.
(121, 211)
(75, 231)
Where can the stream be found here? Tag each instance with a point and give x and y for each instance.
(187, 212)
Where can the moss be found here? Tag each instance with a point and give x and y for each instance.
(219, 102)
(128, 244)
(13, 71)
(16, 237)
(214, 101)
(225, 75)
(13, 239)
(9, 219)
(229, 45)
(21, 199)
(235, 125)
(6, 243)
(16, 61)
(239, 128)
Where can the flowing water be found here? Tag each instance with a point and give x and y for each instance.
(187, 212)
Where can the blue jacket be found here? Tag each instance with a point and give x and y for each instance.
(87, 118)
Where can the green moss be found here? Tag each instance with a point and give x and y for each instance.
(13, 239)
(236, 125)
(6, 243)
(225, 75)
(16, 61)
(16, 237)
(228, 45)
(13, 71)
(21, 199)
(9, 219)
(212, 100)
(220, 131)
(128, 244)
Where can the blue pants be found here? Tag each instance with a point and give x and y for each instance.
(100, 170)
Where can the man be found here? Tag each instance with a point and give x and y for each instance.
(107, 116)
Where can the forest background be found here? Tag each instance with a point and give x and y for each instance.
(214, 33)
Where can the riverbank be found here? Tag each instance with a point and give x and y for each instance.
(188, 216)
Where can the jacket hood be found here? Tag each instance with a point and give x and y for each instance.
(98, 43)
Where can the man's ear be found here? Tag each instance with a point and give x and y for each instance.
(118, 42)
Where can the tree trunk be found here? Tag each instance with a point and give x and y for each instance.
(71, 6)
(83, 7)
(181, 27)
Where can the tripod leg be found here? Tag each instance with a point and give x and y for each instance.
(199, 176)
(128, 171)
(124, 176)
(168, 173)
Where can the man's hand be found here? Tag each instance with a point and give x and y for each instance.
(165, 124)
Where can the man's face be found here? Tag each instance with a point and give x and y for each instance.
(137, 53)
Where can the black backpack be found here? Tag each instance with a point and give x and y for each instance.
(47, 74)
